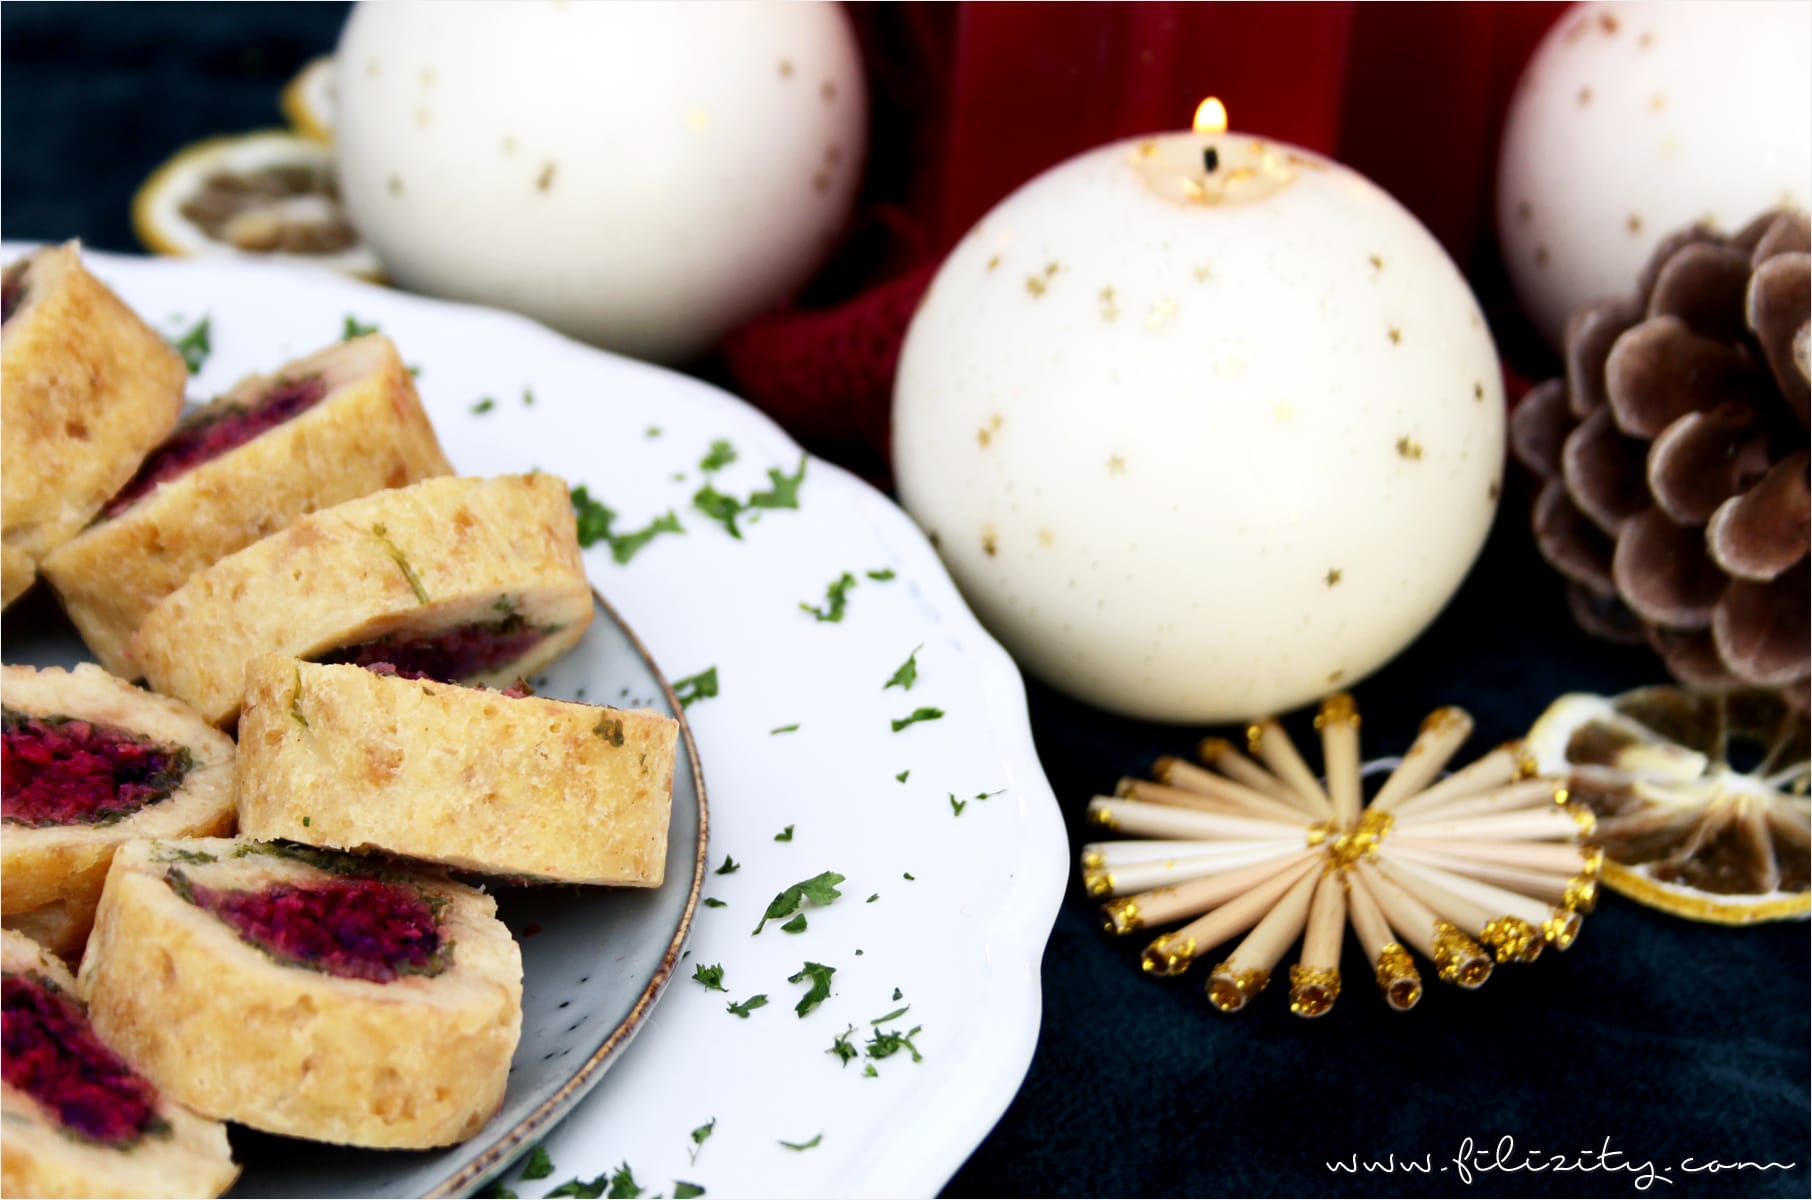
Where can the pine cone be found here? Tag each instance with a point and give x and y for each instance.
(1674, 459)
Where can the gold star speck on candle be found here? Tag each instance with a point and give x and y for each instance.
(1478, 390)
(1486, 862)
(990, 545)
(1633, 223)
(786, 68)
(1657, 102)
(1109, 310)
(1036, 284)
(1585, 96)
(1408, 447)
(1333, 577)
(1161, 313)
(1396, 336)
(994, 262)
(1377, 261)
(1203, 273)
(1116, 465)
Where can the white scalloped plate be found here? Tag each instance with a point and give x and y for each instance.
(964, 902)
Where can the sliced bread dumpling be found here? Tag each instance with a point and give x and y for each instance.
(462, 580)
(90, 763)
(78, 1120)
(304, 993)
(339, 424)
(347, 757)
(87, 390)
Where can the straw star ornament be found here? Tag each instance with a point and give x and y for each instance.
(1489, 861)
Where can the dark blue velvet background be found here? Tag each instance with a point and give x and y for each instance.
(1669, 1039)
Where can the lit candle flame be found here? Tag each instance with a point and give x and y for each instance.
(1211, 116)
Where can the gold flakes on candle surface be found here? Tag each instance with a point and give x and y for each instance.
(1419, 869)
(545, 180)
(1109, 309)
(1396, 336)
(1116, 465)
(1333, 577)
(1161, 313)
(785, 67)
(1377, 261)
(1036, 284)
(989, 542)
(1408, 447)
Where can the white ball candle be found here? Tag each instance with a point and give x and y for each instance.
(641, 176)
(1203, 425)
(1634, 120)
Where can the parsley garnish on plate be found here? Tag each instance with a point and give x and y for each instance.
(895, 1015)
(819, 889)
(903, 774)
(785, 835)
(881, 576)
(909, 877)
(537, 1165)
(686, 1191)
(843, 1048)
(957, 806)
(721, 508)
(712, 976)
(484, 406)
(803, 1145)
(897, 993)
(873, 898)
(819, 992)
(195, 346)
(869, 1072)
(582, 1189)
(721, 455)
(694, 688)
(785, 490)
(352, 328)
(836, 596)
(528, 397)
(595, 519)
(730, 867)
(623, 1185)
(907, 675)
(714, 902)
(653, 431)
(699, 1135)
(624, 546)
(885, 1045)
(796, 925)
(793, 728)
(917, 715)
(750, 1005)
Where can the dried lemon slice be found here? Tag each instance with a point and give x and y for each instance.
(1683, 829)
(270, 195)
(308, 100)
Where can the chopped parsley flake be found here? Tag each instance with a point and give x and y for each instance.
(793, 728)
(402, 564)
(908, 674)
(653, 431)
(537, 1165)
(819, 992)
(957, 806)
(581, 1188)
(897, 993)
(595, 519)
(843, 1048)
(721, 455)
(195, 346)
(719, 507)
(885, 1045)
(895, 1015)
(819, 889)
(730, 867)
(909, 877)
(699, 1135)
(295, 701)
(610, 729)
(803, 1145)
(750, 1005)
(528, 397)
(836, 597)
(693, 688)
(869, 1072)
(796, 925)
(903, 774)
(873, 898)
(712, 976)
(484, 406)
(785, 835)
(714, 902)
(623, 1185)
(881, 576)
(917, 715)
(352, 328)
(307, 821)
(785, 490)
(686, 1191)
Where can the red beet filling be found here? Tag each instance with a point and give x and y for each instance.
(456, 654)
(352, 928)
(213, 433)
(54, 1057)
(12, 291)
(66, 771)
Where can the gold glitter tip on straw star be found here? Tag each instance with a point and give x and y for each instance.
(1486, 862)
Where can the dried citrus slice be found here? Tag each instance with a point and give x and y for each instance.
(308, 100)
(1683, 829)
(270, 194)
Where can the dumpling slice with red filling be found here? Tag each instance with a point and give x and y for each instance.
(78, 1120)
(306, 993)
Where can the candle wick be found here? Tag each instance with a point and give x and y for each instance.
(1211, 159)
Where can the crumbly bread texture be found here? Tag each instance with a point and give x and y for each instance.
(338, 756)
(51, 876)
(17, 573)
(86, 391)
(37, 1158)
(236, 1034)
(409, 562)
(367, 433)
